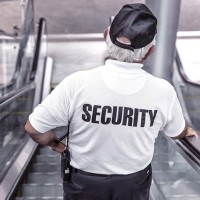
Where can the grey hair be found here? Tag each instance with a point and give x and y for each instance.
(126, 55)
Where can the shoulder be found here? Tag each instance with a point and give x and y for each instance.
(161, 85)
(79, 78)
(81, 75)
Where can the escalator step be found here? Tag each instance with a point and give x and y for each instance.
(47, 151)
(181, 198)
(46, 167)
(53, 178)
(36, 190)
(48, 159)
(39, 198)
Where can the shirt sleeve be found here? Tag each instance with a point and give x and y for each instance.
(176, 121)
(54, 109)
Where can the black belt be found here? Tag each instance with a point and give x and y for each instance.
(74, 170)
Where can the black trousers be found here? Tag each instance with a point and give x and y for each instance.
(85, 186)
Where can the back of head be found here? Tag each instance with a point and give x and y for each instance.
(133, 31)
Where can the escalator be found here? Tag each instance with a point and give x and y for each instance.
(16, 56)
(26, 88)
(176, 163)
(43, 180)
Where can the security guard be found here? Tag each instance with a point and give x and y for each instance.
(115, 112)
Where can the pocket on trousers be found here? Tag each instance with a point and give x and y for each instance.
(143, 177)
(146, 178)
(71, 185)
(72, 190)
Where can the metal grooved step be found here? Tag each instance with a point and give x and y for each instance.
(38, 190)
(47, 167)
(44, 180)
(38, 198)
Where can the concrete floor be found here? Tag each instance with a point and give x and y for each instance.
(83, 16)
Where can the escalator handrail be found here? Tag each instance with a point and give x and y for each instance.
(25, 32)
(42, 25)
(19, 165)
(187, 151)
(188, 146)
(17, 94)
(186, 80)
(22, 46)
(182, 71)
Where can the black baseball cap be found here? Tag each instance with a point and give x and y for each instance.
(137, 23)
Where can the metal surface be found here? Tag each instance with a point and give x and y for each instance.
(155, 193)
(47, 77)
(44, 179)
(25, 54)
(188, 58)
(179, 174)
(38, 69)
(15, 172)
(76, 37)
(168, 18)
(181, 81)
(17, 94)
(41, 83)
(186, 152)
(10, 179)
(188, 34)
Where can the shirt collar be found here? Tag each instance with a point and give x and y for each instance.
(123, 67)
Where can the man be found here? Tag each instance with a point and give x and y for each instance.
(115, 113)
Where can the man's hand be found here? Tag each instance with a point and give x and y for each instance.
(187, 132)
(56, 146)
(191, 132)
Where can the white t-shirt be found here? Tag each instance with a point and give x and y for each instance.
(115, 111)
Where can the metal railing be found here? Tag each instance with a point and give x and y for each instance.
(8, 108)
(188, 147)
(27, 32)
(23, 156)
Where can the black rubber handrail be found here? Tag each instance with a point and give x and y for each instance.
(189, 147)
(182, 71)
(195, 148)
(42, 26)
(187, 141)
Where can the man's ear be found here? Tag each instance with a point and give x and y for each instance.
(105, 33)
(151, 50)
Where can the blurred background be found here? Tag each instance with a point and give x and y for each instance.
(83, 16)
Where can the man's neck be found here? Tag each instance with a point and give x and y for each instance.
(140, 62)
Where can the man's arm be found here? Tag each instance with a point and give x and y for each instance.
(48, 138)
(187, 132)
